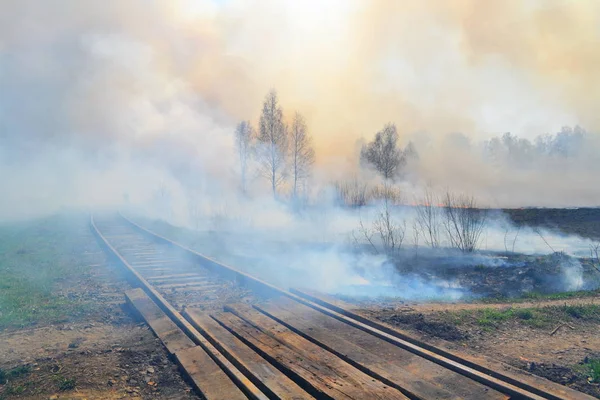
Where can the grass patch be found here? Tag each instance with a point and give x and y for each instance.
(13, 373)
(536, 317)
(14, 390)
(535, 296)
(594, 366)
(63, 384)
(36, 257)
(492, 317)
(586, 312)
(562, 296)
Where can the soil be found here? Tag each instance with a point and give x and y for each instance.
(100, 354)
(560, 356)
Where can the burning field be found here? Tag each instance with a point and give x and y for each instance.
(539, 311)
(431, 164)
(536, 312)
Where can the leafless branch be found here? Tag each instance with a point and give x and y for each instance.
(464, 221)
(428, 218)
(537, 230)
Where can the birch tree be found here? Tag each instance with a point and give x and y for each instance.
(244, 134)
(384, 154)
(302, 153)
(272, 142)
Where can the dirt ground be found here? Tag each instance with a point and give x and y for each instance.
(99, 353)
(522, 334)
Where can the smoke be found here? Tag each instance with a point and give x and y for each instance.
(164, 82)
(135, 101)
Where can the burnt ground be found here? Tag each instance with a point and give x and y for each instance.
(63, 330)
(578, 221)
(475, 276)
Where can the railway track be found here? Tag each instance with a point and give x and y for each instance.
(237, 337)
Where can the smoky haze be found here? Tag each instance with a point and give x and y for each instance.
(101, 101)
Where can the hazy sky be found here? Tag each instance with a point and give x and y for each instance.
(170, 78)
(440, 66)
(479, 67)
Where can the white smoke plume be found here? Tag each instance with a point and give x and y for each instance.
(135, 101)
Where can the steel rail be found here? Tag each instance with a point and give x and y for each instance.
(525, 386)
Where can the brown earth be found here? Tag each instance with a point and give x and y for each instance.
(100, 354)
(559, 355)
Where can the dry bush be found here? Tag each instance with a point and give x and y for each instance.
(463, 221)
(358, 194)
(385, 192)
(385, 230)
(390, 231)
(351, 193)
(428, 218)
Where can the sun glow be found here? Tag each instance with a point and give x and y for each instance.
(193, 9)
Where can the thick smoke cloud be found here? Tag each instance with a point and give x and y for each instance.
(92, 90)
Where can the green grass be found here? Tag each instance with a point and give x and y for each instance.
(64, 384)
(562, 295)
(535, 296)
(536, 317)
(14, 390)
(8, 376)
(594, 366)
(492, 317)
(13, 373)
(36, 257)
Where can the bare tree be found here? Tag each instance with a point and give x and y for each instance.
(302, 153)
(428, 218)
(273, 142)
(384, 154)
(244, 134)
(464, 221)
(386, 230)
